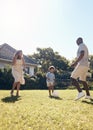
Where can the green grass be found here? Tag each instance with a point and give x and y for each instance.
(34, 110)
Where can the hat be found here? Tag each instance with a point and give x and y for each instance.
(51, 67)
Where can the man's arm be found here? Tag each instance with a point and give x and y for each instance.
(79, 59)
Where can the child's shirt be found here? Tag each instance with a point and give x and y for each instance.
(50, 77)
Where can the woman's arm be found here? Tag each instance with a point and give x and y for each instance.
(14, 60)
(24, 64)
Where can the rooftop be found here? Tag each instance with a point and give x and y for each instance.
(7, 53)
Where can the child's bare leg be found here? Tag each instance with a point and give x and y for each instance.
(49, 88)
(18, 88)
(52, 87)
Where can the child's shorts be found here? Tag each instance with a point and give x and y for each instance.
(50, 84)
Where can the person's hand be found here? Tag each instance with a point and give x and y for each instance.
(24, 69)
(74, 64)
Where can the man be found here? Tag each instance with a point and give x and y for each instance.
(81, 68)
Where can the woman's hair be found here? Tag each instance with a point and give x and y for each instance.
(17, 54)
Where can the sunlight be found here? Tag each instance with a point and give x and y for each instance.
(19, 15)
(20, 22)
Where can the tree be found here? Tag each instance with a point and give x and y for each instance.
(47, 57)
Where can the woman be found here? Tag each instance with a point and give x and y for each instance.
(17, 71)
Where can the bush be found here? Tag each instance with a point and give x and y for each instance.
(6, 79)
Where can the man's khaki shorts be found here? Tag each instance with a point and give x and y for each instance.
(80, 72)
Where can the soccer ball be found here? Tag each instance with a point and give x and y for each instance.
(55, 94)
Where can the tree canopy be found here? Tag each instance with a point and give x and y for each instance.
(47, 57)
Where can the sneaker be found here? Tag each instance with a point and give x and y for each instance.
(80, 95)
(88, 97)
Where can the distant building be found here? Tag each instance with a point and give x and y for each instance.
(6, 56)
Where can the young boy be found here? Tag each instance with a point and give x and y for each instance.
(50, 79)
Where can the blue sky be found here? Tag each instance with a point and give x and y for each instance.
(28, 24)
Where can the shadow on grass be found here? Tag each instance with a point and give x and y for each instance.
(58, 98)
(88, 102)
(10, 99)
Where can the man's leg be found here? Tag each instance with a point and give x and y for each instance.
(83, 81)
(86, 87)
(76, 84)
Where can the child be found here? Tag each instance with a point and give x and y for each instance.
(50, 79)
(17, 71)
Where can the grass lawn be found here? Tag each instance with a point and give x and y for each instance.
(34, 110)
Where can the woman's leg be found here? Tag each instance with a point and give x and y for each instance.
(18, 88)
(14, 86)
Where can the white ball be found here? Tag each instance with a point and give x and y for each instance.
(55, 94)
